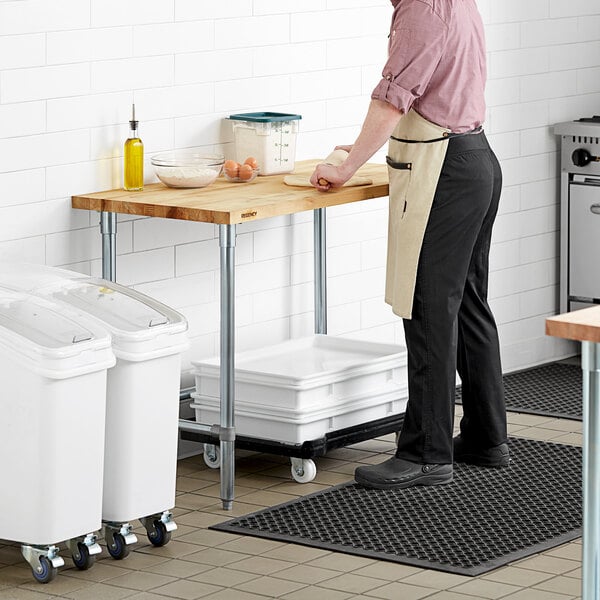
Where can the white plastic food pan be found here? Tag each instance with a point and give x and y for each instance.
(305, 372)
(53, 371)
(142, 405)
(296, 427)
(303, 388)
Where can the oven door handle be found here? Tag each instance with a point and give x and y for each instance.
(595, 208)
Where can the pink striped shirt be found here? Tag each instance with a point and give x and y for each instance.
(436, 62)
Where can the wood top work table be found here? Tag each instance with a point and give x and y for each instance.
(226, 205)
(584, 326)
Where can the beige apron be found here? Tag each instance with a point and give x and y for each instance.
(414, 171)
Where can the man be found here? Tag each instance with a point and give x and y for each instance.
(445, 184)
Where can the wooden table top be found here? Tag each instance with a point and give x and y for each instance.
(228, 203)
(581, 325)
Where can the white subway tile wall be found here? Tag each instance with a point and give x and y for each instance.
(70, 69)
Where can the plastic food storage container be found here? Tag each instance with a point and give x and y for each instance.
(301, 389)
(142, 394)
(270, 137)
(53, 370)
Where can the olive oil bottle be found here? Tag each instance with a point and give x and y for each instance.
(133, 165)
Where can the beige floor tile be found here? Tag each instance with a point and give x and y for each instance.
(317, 593)
(390, 571)
(571, 551)
(239, 509)
(341, 562)
(481, 588)
(393, 591)
(214, 490)
(146, 596)
(525, 419)
(270, 586)
(565, 425)
(531, 594)
(26, 594)
(180, 568)
(576, 573)
(296, 553)
(194, 501)
(261, 565)
(514, 429)
(187, 590)
(548, 564)
(347, 469)
(256, 545)
(258, 481)
(59, 586)
(174, 549)
(350, 454)
(536, 433)
(356, 584)
(573, 439)
(266, 498)
(379, 445)
(190, 484)
(199, 519)
(104, 570)
(561, 585)
(306, 574)
(16, 574)
(208, 537)
(224, 577)
(100, 590)
(447, 595)
(436, 579)
(216, 557)
(231, 594)
(298, 489)
(11, 555)
(142, 581)
(517, 576)
(330, 478)
(141, 561)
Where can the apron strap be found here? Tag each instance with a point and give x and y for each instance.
(446, 136)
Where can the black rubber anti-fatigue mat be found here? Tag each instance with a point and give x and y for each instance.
(484, 519)
(553, 390)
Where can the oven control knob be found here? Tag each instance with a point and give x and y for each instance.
(581, 157)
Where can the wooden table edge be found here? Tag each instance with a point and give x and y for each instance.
(579, 325)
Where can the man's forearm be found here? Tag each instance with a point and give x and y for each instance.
(380, 122)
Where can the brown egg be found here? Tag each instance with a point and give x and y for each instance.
(231, 168)
(245, 172)
(252, 162)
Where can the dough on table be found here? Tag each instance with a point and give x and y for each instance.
(336, 158)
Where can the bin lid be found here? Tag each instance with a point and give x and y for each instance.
(130, 316)
(265, 117)
(35, 326)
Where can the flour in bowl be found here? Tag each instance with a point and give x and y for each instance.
(186, 177)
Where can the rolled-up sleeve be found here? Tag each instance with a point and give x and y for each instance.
(417, 40)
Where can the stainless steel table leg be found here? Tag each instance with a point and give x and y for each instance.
(108, 229)
(590, 363)
(227, 374)
(320, 250)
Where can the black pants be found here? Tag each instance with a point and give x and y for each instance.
(452, 326)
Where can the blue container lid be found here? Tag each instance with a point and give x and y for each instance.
(265, 117)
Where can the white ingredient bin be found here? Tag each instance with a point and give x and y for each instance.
(270, 137)
(53, 366)
(142, 399)
(304, 388)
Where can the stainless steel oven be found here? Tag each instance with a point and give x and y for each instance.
(580, 213)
